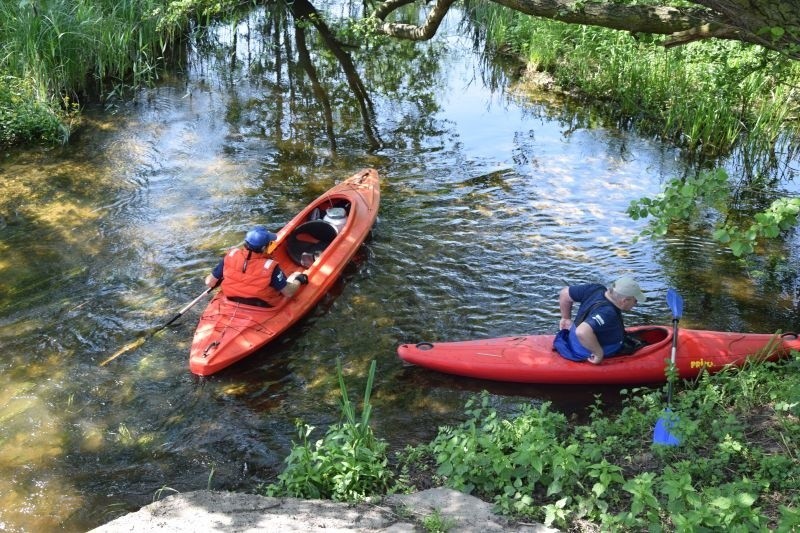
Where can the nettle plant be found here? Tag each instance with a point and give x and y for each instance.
(539, 465)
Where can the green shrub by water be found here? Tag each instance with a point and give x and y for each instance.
(737, 468)
(24, 118)
(71, 47)
(60, 51)
(706, 96)
(65, 52)
(347, 464)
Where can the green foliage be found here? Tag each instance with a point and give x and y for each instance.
(687, 199)
(347, 464)
(708, 96)
(24, 118)
(73, 48)
(436, 523)
(177, 13)
(724, 476)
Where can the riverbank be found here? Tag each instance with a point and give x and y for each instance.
(437, 509)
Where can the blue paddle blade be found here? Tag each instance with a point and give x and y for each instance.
(663, 432)
(675, 302)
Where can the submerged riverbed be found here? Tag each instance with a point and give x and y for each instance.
(491, 202)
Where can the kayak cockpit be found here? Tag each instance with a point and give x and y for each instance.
(642, 337)
(308, 240)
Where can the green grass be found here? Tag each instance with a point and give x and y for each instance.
(56, 54)
(708, 96)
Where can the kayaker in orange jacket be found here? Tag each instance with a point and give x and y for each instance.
(251, 276)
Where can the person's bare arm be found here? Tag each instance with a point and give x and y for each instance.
(588, 340)
(293, 283)
(565, 305)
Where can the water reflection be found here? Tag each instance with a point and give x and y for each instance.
(489, 205)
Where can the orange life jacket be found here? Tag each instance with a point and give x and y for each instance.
(252, 280)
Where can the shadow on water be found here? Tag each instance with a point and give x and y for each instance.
(491, 202)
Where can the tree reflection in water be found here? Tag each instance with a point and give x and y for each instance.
(313, 82)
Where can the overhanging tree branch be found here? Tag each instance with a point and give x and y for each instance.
(410, 31)
(769, 23)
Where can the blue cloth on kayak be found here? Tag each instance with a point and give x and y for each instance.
(562, 345)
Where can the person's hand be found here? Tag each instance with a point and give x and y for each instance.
(565, 323)
(595, 359)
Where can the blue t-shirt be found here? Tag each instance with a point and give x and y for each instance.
(603, 317)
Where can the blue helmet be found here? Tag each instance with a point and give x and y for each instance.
(258, 238)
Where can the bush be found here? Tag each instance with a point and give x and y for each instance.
(347, 464)
(24, 118)
(736, 469)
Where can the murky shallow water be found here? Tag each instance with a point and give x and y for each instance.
(491, 203)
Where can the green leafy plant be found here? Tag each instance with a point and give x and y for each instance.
(436, 523)
(724, 476)
(347, 464)
(684, 200)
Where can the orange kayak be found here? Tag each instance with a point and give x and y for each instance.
(321, 240)
(531, 358)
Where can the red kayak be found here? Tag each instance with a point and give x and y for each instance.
(320, 241)
(531, 358)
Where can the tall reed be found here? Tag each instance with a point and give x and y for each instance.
(72, 47)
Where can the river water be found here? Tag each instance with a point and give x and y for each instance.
(492, 200)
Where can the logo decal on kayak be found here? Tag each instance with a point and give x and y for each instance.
(702, 363)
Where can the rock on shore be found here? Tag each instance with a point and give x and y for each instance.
(234, 512)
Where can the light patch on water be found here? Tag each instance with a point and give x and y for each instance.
(92, 436)
(571, 253)
(31, 434)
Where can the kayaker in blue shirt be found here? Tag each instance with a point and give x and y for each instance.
(598, 330)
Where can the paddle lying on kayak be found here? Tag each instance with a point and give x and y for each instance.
(319, 245)
(531, 358)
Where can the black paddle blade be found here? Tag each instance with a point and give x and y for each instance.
(663, 434)
(675, 303)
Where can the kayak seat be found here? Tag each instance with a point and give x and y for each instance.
(310, 237)
(634, 342)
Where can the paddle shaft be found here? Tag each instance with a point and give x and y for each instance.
(194, 302)
(672, 357)
(675, 303)
(662, 433)
(140, 340)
